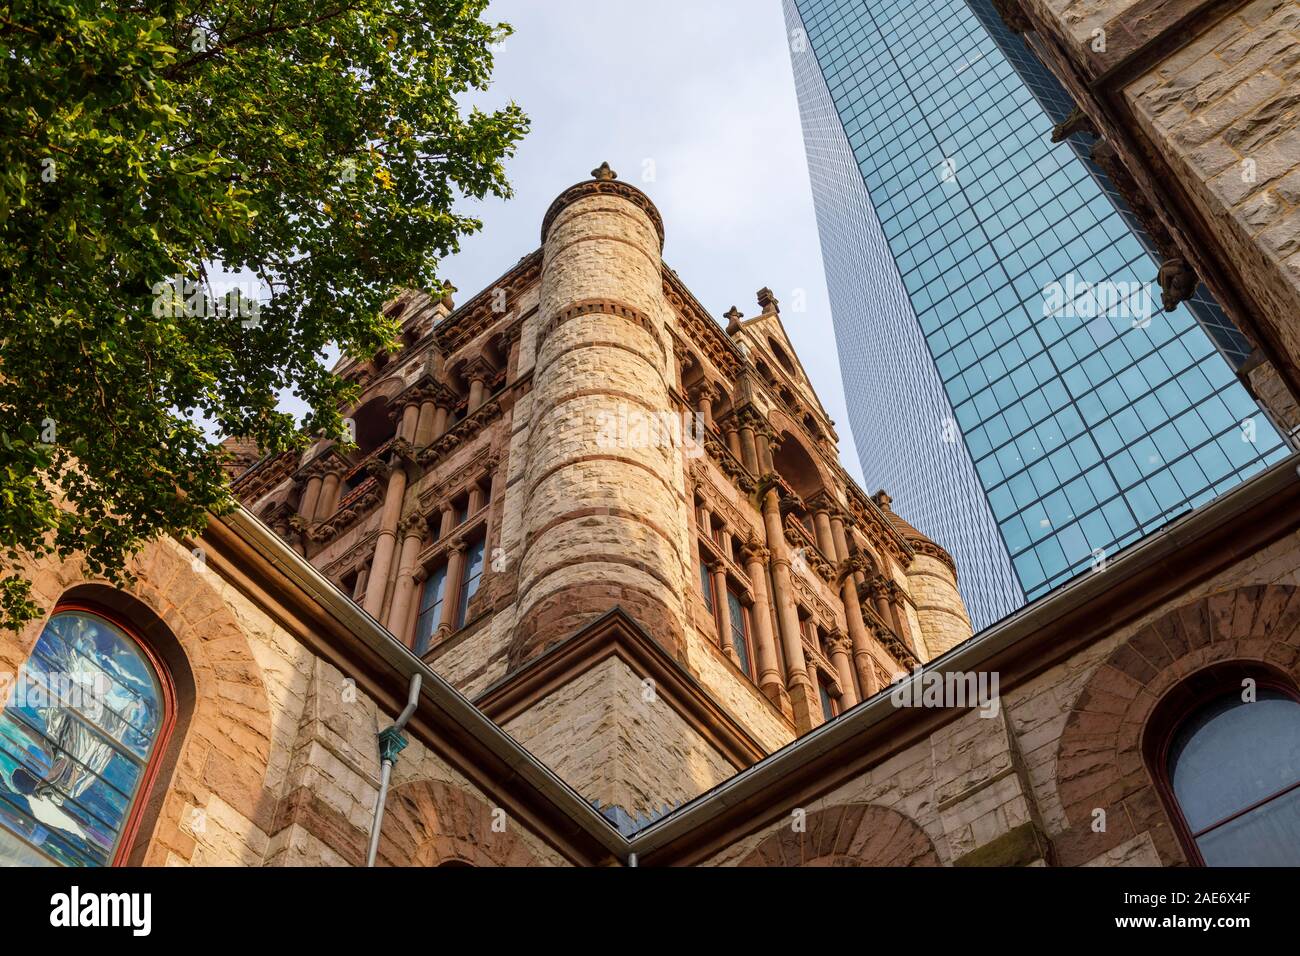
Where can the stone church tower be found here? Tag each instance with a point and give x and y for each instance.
(618, 527)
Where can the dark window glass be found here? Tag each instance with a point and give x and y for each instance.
(1235, 771)
(828, 703)
(430, 608)
(473, 575)
(739, 630)
(706, 585)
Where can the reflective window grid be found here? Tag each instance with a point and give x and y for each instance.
(1034, 442)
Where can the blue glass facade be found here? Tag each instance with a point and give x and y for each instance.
(1010, 380)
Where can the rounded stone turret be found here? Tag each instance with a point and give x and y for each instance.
(932, 582)
(602, 506)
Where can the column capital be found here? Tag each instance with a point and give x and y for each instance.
(706, 390)
(755, 553)
(414, 525)
(478, 369)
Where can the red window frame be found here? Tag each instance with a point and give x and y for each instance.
(149, 775)
(1180, 705)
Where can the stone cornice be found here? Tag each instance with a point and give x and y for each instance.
(464, 430)
(361, 501)
(867, 516)
(265, 475)
(482, 312)
(700, 327)
(603, 187)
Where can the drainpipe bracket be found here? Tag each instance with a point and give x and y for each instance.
(391, 743)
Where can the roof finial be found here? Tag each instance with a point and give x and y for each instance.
(604, 173)
(448, 290)
(882, 499)
(767, 301)
(733, 319)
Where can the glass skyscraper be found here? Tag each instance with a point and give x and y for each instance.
(1009, 380)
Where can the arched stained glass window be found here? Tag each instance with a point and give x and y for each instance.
(1234, 768)
(80, 729)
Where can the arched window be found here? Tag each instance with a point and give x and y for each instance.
(1230, 770)
(80, 732)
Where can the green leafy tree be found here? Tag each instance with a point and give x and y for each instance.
(321, 145)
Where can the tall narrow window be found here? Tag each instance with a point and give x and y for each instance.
(739, 617)
(79, 734)
(706, 584)
(431, 599)
(830, 706)
(1234, 769)
(473, 575)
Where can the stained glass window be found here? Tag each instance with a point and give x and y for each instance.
(79, 727)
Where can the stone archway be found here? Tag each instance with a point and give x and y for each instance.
(853, 834)
(432, 823)
(1100, 763)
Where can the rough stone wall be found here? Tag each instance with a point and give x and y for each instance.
(279, 762)
(1224, 112)
(1081, 17)
(611, 738)
(980, 787)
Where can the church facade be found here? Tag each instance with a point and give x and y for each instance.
(597, 551)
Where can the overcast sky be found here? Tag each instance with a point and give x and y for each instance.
(697, 94)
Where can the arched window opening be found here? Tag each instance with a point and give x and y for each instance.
(81, 730)
(782, 357)
(373, 427)
(1228, 765)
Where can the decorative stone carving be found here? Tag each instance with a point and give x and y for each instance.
(1077, 122)
(1177, 282)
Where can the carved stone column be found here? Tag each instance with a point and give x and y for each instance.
(825, 538)
(841, 647)
(706, 394)
(479, 373)
(406, 422)
(310, 497)
(328, 501)
(803, 696)
(867, 683)
(769, 675)
(878, 588)
(413, 529)
(382, 563)
(898, 613)
(722, 610)
(749, 447)
(451, 591)
(441, 414)
(733, 443)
